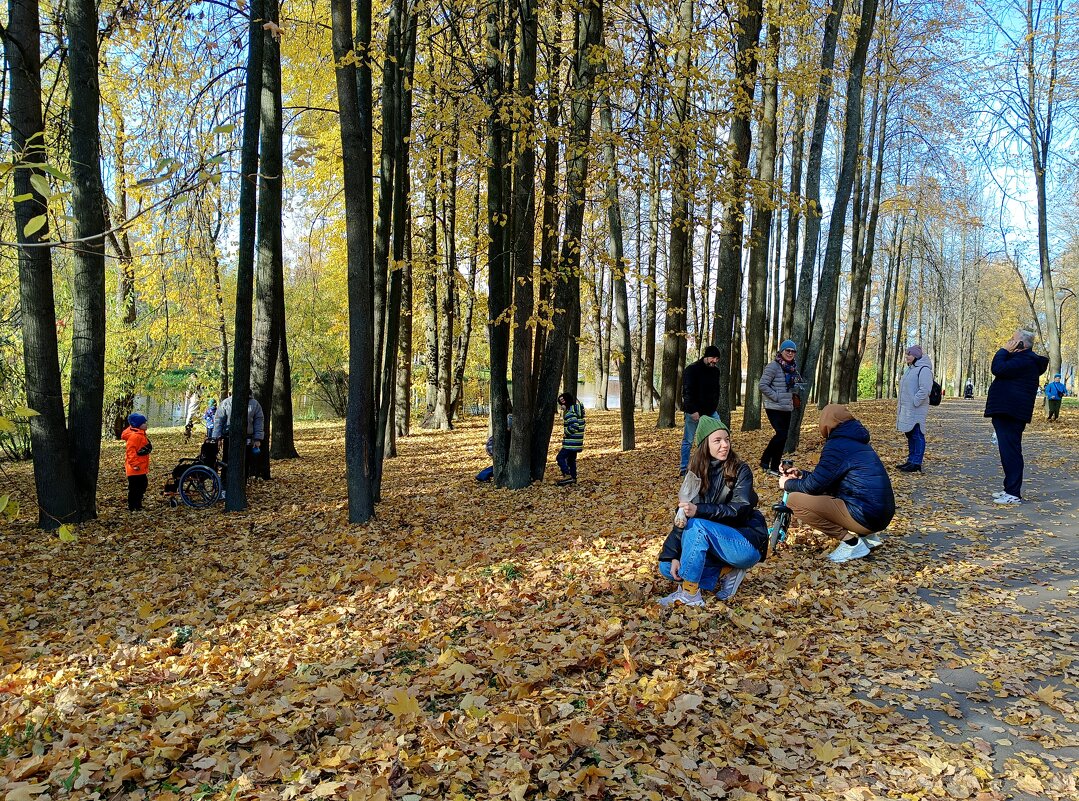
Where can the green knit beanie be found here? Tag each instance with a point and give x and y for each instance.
(705, 427)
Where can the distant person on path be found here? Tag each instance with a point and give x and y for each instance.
(1054, 394)
(136, 460)
(572, 437)
(848, 495)
(1017, 372)
(700, 397)
(968, 392)
(725, 535)
(913, 406)
(256, 432)
(780, 388)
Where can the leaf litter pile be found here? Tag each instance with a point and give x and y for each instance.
(475, 642)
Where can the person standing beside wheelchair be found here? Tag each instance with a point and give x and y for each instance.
(700, 398)
(848, 495)
(780, 386)
(256, 432)
(912, 408)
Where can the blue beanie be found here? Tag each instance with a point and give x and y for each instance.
(788, 344)
(136, 420)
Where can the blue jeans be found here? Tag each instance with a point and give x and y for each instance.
(486, 474)
(704, 537)
(689, 430)
(916, 445)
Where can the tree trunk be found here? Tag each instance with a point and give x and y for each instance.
(403, 68)
(498, 282)
(447, 297)
(648, 362)
(729, 262)
(465, 335)
(824, 313)
(430, 289)
(794, 218)
(284, 438)
(518, 471)
(245, 264)
(760, 238)
(402, 402)
(270, 265)
(355, 119)
(567, 286)
(88, 207)
(800, 325)
(55, 484)
(674, 326)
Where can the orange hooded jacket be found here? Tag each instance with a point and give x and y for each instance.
(136, 439)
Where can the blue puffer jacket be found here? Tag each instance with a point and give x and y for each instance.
(849, 469)
(1015, 386)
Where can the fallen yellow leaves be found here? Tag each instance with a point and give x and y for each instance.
(479, 643)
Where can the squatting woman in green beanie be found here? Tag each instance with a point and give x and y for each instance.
(724, 534)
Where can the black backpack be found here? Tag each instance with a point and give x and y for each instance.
(935, 394)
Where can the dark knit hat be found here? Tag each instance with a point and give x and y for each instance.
(915, 351)
(707, 426)
(136, 420)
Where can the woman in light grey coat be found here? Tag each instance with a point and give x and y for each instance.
(779, 383)
(913, 406)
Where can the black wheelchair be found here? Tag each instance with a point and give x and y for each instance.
(196, 482)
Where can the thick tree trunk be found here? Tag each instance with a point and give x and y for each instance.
(270, 279)
(760, 238)
(245, 264)
(88, 206)
(674, 326)
(284, 439)
(355, 119)
(567, 286)
(518, 471)
(56, 495)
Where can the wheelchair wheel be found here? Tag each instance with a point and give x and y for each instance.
(200, 486)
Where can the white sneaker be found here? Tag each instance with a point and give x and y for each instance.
(872, 541)
(729, 583)
(1007, 500)
(999, 494)
(680, 596)
(845, 553)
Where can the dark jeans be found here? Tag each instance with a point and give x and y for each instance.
(136, 488)
(1010, 443)
(781, 422)
(915, 445)
(1054, 409)
(567, 462)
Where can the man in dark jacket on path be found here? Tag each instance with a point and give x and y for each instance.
(1017, 372)
(700, 397)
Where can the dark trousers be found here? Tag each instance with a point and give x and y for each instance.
(1054, 409)
(781, 422)
(136, 488)
(567, 462)
(1010, 443)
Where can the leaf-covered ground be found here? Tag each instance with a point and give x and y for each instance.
(481, 643)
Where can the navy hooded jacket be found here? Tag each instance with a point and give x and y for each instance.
(849, 469)
(1015, 386)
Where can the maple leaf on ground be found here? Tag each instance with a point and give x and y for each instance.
(403, 705)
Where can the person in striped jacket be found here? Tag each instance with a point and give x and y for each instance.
(572, 437)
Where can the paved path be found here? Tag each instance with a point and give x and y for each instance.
(1004, 584)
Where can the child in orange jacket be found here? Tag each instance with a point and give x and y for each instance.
(136, 460)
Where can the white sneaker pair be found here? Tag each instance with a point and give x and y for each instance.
(680, 596)
(845, 552)
(1006, 499)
